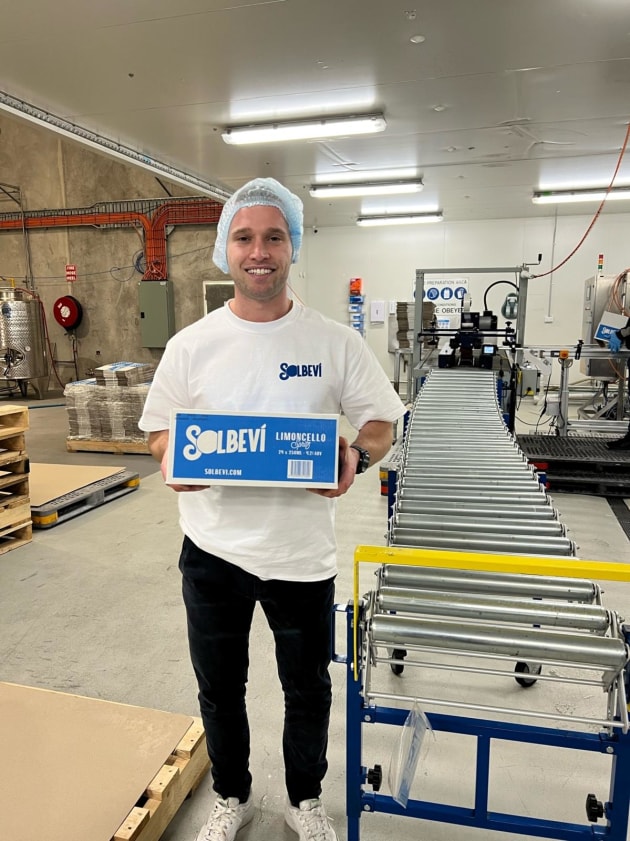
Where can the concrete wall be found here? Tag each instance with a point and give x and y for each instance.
(54, 173)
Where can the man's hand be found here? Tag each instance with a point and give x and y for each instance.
(158, 445)
(178, 488)
(348, 460)
(376, 438)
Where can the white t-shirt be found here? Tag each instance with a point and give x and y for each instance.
(302, 363)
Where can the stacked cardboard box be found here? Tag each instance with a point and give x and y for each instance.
(107, 407)
(401, 324)
(124, 373)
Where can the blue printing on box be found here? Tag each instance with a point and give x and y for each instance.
(116, 366)
(604, 332)
(280, 450)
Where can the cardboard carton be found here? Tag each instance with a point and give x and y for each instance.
(213, 448)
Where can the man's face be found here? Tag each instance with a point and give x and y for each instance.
(259, 252)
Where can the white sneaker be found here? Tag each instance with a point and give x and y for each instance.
(309, 820)
(226, 818)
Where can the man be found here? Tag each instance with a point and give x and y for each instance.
(619, 339)
(271, 545)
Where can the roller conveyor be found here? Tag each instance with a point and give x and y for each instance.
(466, 495)
(458, 451)
(459, 456)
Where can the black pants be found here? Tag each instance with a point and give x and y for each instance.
(220, 600)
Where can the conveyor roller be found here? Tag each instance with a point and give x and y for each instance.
(589, 651)
(488, 583)
(557, 614)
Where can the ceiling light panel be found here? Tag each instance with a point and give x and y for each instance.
(399, 219)
(373, 188)
(578, 195)
(305, 129)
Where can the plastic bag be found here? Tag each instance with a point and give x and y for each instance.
(405, 755)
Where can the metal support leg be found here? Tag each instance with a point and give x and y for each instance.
(562, 423)
(354, 701)
(392, 487)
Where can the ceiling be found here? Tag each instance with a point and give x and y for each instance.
(502, 97)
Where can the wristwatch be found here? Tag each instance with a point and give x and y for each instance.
(364, 458)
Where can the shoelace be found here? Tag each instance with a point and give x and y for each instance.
(221, 821)
(314, 822)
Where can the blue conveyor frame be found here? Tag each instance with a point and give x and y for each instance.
(360, 800)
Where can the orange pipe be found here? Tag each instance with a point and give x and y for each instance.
(174, 212)
(71, 220)
(199, 212)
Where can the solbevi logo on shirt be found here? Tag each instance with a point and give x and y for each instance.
(289, 370)
(212, 448)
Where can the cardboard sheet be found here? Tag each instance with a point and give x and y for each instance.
(74, 767)
(50, 481)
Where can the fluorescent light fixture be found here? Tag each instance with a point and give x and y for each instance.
(399, 219)
(593, 194)
(366, 188)
(351, 173)
(305, 129)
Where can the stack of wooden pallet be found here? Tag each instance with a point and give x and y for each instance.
(15, 506)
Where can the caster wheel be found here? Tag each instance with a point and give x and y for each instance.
(527, 669)
(398, 654)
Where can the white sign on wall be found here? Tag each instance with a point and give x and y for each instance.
(447, 294)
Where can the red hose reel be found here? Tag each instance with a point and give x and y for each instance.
(68, 312)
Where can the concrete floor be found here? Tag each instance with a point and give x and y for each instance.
(92, 606)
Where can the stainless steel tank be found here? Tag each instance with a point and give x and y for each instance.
(23, 355)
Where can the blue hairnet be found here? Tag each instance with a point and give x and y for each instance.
(265, 191)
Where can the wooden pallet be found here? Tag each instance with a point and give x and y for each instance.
(13, 420)
(13, 443)
(92, 445)
(177, 779)
(15, 535)
(15, 510)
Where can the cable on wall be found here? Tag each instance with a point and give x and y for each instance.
(598, 211)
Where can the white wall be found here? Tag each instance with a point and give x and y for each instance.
(387, 259)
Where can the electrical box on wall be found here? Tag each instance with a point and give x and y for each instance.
(157, 312)
(216, 293)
